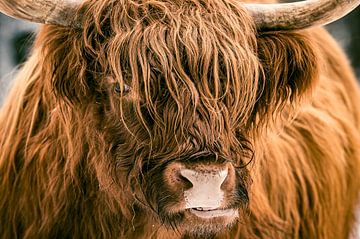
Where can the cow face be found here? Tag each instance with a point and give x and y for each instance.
(178, 97)
(183, 121)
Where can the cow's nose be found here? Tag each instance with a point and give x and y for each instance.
(206, 190)
(203, 186)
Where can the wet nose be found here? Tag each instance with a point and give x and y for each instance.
(203, 186)
(206, 190)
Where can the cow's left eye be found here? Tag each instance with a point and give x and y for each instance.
(125, 89)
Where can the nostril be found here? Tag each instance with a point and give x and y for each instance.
(230, 179)
(174, 180)
(183, 180)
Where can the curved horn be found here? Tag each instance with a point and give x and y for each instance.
(284, 16)
(58, 12)
(299, 15)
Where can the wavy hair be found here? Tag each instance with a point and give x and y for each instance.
(96, 113)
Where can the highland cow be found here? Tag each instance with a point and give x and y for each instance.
(180, 119)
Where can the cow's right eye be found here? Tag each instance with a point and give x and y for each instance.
(117, 88)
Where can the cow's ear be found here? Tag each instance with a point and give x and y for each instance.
(69, 79)
(290, 66)
(66, 64)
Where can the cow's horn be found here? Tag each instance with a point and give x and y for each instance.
(58, 12)
(283, 16)
(299, 15)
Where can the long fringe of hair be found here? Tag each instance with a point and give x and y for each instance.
(74, 152)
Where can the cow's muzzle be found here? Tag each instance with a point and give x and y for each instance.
(204, 188)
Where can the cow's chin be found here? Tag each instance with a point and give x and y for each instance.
(202, 223)
(205, 224)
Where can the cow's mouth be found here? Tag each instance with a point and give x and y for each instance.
(202, 222)
(209, 213)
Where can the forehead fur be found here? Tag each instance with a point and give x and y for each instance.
(186, 62)
(203, 53)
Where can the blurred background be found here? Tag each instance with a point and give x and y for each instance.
(16, 38)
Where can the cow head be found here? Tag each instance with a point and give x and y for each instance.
(171, 97)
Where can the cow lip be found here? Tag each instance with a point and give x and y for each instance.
(205, 208)
(208, 213)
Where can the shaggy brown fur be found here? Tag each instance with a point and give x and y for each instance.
(81, 160)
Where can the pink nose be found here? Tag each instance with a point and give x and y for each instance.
(202, 186)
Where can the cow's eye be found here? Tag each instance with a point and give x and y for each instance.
(125, 89)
